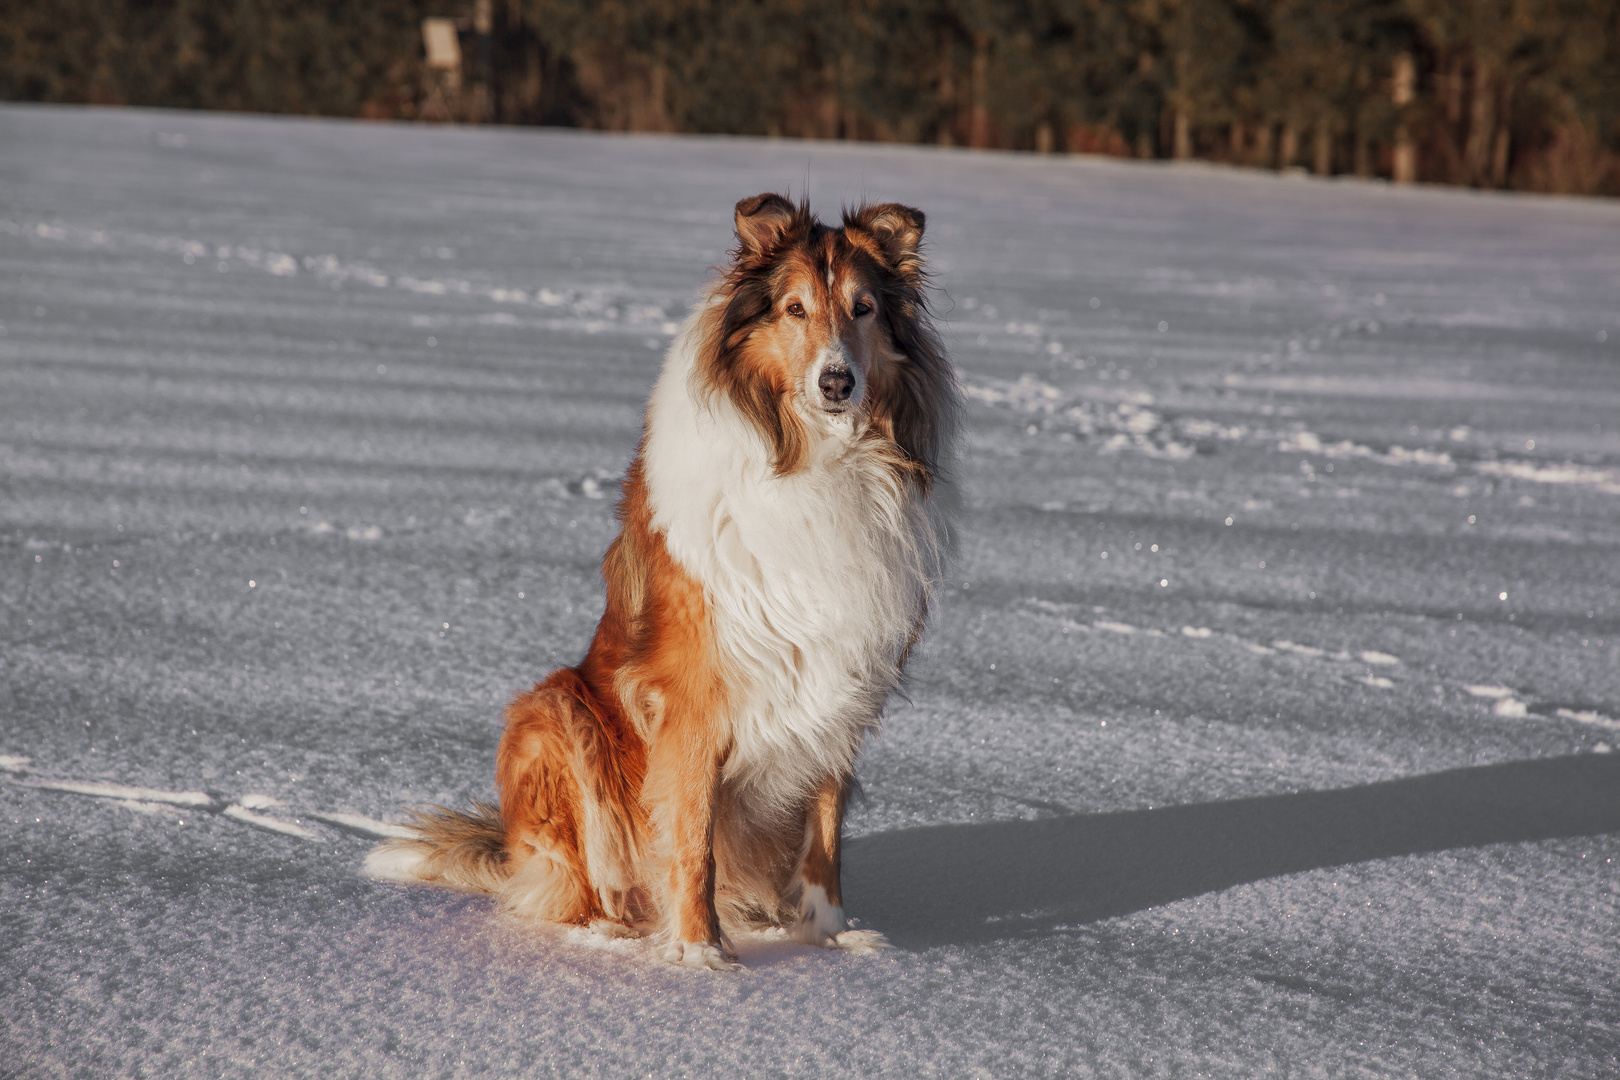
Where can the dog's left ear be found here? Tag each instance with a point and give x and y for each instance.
(898, 230)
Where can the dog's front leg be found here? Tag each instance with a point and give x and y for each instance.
(683, 778)
(821, 903)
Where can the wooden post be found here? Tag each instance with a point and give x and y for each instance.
(443, 50)
(1182, 141)
(442, 46)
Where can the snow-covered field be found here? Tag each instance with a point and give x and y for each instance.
(1264, 728)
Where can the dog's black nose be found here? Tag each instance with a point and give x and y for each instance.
(836, 385)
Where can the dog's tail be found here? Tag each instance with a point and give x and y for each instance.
(461, 849)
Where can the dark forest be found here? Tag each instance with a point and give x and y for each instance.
(1521, 94)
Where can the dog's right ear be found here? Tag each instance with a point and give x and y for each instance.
(762, 223)
(898, 230)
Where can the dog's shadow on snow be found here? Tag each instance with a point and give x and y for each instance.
(952, 884)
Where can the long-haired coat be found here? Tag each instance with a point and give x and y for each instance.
(779, 540)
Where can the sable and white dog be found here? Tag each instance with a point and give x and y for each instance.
(779, 539)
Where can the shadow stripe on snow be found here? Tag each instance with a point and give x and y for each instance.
(953, 884)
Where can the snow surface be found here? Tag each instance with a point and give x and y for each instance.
(1263, 729)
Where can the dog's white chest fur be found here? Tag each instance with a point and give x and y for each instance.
(816, 581)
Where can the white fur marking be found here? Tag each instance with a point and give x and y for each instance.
(393, 862)
(820, 920)
(541, 888)
(816, 580)
(698, 956)
(607, 928)
(860, 942)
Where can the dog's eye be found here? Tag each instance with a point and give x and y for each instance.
(862, 308)
(796, 310)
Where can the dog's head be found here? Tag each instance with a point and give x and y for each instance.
(824, 330)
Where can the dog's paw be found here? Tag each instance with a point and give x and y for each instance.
(699, 956)
(861, 942)
(820, 920)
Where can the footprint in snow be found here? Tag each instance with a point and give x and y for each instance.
(1506, 704)
(1588, 716)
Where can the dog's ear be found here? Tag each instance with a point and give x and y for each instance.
(898, 230)
(762, 223)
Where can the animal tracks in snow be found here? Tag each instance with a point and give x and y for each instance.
(370, 828)
(238, 812)
(1132, 420)
(1505, 701)
(255, 810)
(1369, 657)
(592, 310)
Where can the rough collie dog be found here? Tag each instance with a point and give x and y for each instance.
(779, 538)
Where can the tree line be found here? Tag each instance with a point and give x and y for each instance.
(1490, 93)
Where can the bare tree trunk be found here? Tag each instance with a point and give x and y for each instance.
(1043, 137)
(1481, 126)
(847, 118)
(1499, 158)
(1502, 152)
(1363, 165)
(1289, 149)
(827, 120)
(520, 99)
(979, 113)
(1183, 147)
(1322, 151)
(1502, 147)
(1449, 85)
(1262, 146)
(1403, 89)
(1405, 166)
(483, 97)
(660, 120)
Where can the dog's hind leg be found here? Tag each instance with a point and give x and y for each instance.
(821, 895)
(567, 776)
